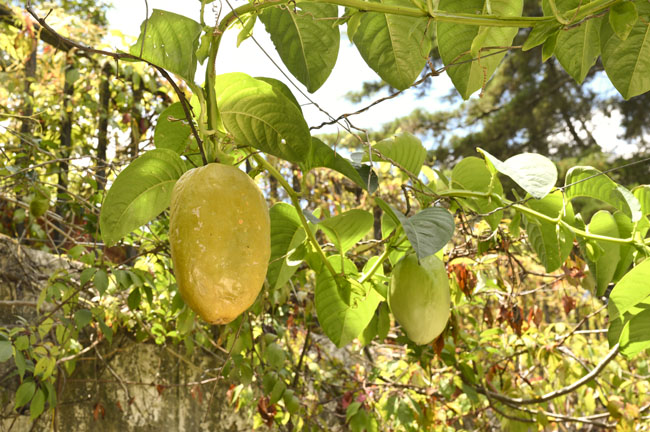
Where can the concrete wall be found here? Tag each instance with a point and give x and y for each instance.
(124, 386)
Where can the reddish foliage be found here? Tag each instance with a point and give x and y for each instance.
(197, 393)
(348, 396)
(439, 344)
(465, 278)
(535, 315)
(267, 411)
(99, 411)
(568, 303)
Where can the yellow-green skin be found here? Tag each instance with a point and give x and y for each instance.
(419, 297)
(220, 236)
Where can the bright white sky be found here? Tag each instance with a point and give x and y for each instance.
(348, 74)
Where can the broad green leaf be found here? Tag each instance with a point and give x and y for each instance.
(622, 18)
(635, 335)
(395, 47)
(247, 28)
(536, 174)
(37, 405)
(472, 174)
(172, 130)
(140, 193)
(428, 230)
(625, 228)
(405, 149)
(577, 48)
(340, 321)
(627, 62)
(346, 229)
(282, 88)
(539, 34)
(632, 289)
(306, 39)
(323, 156)
(82, 318)
(603, 223)
(455, 43)
(25, 393)
(259, 115)
(286, 235)
(100, 280)
(642, 193)
(6, 351)
(548, 49)
(551, 242)
(585, 181)
(170, 41)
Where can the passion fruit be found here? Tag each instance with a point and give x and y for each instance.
(219, 231)
(419, 297)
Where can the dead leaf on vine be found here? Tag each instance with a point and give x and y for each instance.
(267, 412)
(197, 393)
(99, 411)
(568, 303)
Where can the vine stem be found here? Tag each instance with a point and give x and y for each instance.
(461, 193)
(295, 200)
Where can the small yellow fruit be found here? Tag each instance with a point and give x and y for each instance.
(419, 297)
(219, 230)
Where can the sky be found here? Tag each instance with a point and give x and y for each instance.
(348, 75)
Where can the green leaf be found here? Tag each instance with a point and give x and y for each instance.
(627, 62)
(82, 318)
(552, 244)
(282, 88)
(455, 43)
(259, 115)
(134, 298)
(38, 404)
(25, 393)
(6, 352)
(172, 130)
(286, 235)
(642, 194)
(625, 229)
(395, 47)
(589, 182)
(324, 156)
(428, 230)
(306, 39)
(536, 174)
(635, 335)
(405, 149)
(274, 356)
(548, 49)
(603, 223)
(100, 280)
(140, 193)
(472, 174)
(539, 34)
(622, 18)
(632, 289)
(346, 229)
(170, 41)
(342, 322)
(577, 48)
(247, 28)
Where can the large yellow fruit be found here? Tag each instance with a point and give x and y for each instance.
(219, 231)
(419, 297)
